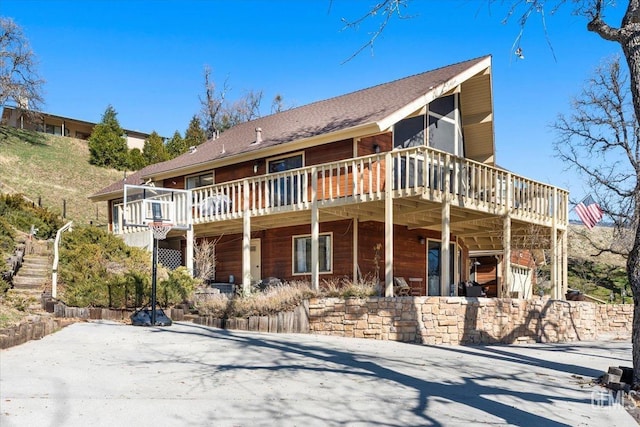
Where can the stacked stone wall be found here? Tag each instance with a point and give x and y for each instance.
(615, 320)
(459, 320)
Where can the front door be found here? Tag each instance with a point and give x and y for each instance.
(254, 250)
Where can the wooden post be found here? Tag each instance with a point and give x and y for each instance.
(315, 232)
(388, 225)
(246, 239)
(565, 246)
(355, 249)
(503, 290)
(555, 293)
(445, 240)
(564, 264)
(189, 249)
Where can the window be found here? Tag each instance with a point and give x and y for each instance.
(434, 267)
(445, 127)
(117, 215)
(409, 132)
(285, 163)
(284, 190)
(200, 180)
(302, 254)
(53, 129)
(441, 128)
(442, 134)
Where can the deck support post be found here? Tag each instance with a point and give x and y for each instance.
(315, 232)
(505, 285)
(555, 276)
(355, 250)
(189, 250)
(445, 247)
(246, 240)
(388, 225)
(445, 233)
(564, 265)
(555, 291)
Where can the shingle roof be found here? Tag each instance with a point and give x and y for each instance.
(355, 109)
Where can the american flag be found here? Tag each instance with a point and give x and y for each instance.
(589, 212)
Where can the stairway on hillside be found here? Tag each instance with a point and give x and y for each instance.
(34, 277)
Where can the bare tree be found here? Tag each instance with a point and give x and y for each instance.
(622, 137)
(601, 140)
(205, 258)
(212, 103)
(218, 113)
(627, 34)
(277, 105)
(20, 83)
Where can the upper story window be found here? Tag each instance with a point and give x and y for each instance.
(285, 163)
(197, 181)
(440, 128)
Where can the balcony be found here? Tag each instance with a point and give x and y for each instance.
(421, 179)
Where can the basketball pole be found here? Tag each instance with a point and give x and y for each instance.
(154, 277)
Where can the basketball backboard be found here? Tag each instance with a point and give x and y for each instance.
(145, 204)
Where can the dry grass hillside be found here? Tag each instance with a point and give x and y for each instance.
(53, 169)
(580, 244)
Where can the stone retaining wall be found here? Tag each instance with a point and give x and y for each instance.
(459, 320)
(427, 320)
(615, 319)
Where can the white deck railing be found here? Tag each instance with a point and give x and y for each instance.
(419, 171)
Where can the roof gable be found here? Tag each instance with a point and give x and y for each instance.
(377, 107)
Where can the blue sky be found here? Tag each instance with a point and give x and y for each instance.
(146, 58)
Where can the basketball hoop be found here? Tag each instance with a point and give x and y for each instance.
(160, 229)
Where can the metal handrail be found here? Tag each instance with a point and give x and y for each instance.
(54, 269)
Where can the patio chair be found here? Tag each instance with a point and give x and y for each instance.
(400, 287)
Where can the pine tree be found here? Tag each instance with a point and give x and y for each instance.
(195, 134)
(136, 160)
(176, 145)
(153, 150)
(107, 143)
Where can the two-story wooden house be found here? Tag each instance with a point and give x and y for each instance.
(397, 180)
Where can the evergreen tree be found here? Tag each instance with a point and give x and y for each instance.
(154, 151)
(176, 145)
(136, 160)
(107, 143)
(195, 134)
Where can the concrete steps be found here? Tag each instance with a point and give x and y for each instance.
(35, 273)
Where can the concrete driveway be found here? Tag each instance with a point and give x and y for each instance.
(110, 374)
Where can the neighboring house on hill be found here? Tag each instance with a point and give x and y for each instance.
(397, 180)
(63, 126)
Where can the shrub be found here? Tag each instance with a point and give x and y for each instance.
(7, 239)
(273, 300)
(22, 214)
(345, 288)
(177, 287)
(4, 286)
(97, 269)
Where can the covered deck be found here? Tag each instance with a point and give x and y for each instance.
(419, 187)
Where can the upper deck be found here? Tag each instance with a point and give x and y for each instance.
(419, 180)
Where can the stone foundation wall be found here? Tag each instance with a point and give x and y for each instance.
(459, 320)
